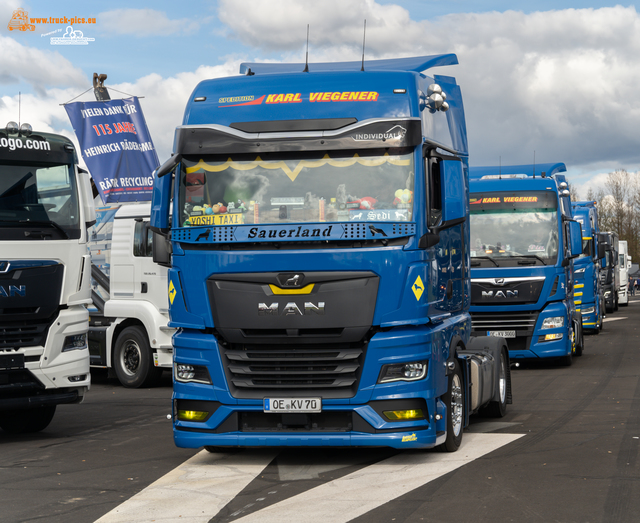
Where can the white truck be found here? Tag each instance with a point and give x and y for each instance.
(46, 206)
(128, 328)
(624, 264)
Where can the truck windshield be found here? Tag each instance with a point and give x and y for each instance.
(334, 186)
(511, 225)
(40, 195)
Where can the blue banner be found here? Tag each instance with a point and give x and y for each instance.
(116, 146)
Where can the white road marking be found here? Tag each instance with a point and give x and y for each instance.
(351, 496)
(195, 491)
(199, 488)
(606, 320)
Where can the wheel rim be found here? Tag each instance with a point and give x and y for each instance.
(456, 404)
(131, 356)
(503, 383)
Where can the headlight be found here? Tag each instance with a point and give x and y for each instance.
(553, 323)
(413, 371)
(607, 294)
(75, 342)
(191, 373)
(588, 310)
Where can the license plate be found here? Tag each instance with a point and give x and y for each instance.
(502, 334)
(12, 361)
(292, 405)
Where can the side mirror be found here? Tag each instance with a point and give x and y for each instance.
(454, 204)
(601, 250)
(161, 249)
(575, 239)
(84, 186)
(447, 206)
(160, 201)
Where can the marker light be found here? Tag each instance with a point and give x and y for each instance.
(403, 415)
(192, 415)
(12, 128)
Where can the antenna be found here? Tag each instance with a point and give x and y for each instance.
(306, 60)
(500, 167)
(534, 163)
(19, 106)
(364, 35)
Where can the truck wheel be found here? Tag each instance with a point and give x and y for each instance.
(133, 359)
(579, 339)
(567, 360)
(29, 420)
(454, 400)
(497, 409)
(615, 304)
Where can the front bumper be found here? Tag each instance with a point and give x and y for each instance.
(336, 425)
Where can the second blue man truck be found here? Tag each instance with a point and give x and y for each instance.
(589, 297)
(523, 241)
(319, 261)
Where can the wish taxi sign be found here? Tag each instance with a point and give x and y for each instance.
(217, 219)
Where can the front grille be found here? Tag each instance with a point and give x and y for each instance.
(24, 333)
(332, 370)
(522, 322)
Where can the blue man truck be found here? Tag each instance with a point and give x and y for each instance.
(523, 241)
(588, 294)
(319, 261)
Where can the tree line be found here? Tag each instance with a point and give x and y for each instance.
(619, 207)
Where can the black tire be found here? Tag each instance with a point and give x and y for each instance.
(615, 304)
(498, 408)
(133, 359)
(567, 360)
(454, 400)
(25, 421)
(579, 343)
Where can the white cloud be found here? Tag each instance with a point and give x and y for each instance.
(163, 104)
(143, 22)
(561, 83)
(41, 69)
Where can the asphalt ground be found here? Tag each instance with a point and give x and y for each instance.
(566, 451)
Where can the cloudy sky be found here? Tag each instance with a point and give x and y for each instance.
(561, 80)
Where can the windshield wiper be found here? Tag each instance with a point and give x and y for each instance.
(41, 223)
(528, 256)
(485, 258)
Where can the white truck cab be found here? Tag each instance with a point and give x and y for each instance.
(129, 331)
(46, 206)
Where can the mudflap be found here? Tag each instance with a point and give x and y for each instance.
(482, 355)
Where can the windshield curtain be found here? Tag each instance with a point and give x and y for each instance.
(39, 193)
(335, 186)
(509, 225)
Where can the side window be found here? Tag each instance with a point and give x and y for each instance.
(142, 240)
(434, 189)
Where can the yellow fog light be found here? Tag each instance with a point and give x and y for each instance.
(551, 337)
(192, 415)
(403, 415)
